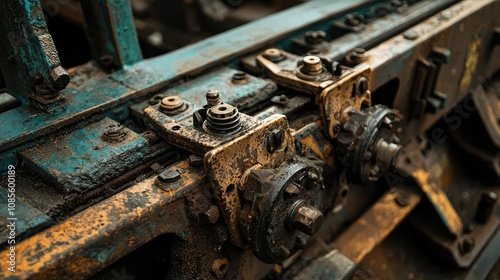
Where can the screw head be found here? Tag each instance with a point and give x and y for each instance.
(402, 199)
(351, 20)
(466, 245)
(171, 102)
(239, 78)
(410, 35)
(213, 97)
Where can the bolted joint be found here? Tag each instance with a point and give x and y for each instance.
(305, 218)
(466, 245)
(115, 133)
(357, 56)
(222, 119)
(239, 78)
(314, 37)
(274, 55)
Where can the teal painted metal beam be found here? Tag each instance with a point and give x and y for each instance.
(109, 25)
(28, 54)
(89, 96)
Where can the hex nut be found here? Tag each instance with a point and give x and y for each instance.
(307, 219)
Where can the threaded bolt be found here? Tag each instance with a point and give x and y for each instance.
(212, 97)
(312, 65)
(351, 20)
(115, 133)
(239, 78)
(222, 119)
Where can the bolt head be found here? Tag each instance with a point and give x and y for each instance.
(273, 55)
(171, 102)
(315, 37)
(307, 219)
(169, 176)
(60, 77)
(212, 93)
(466, 245)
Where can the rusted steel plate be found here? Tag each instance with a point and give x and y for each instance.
(187, 137)
(341, 95)
(439, 201)
(226, 165)
(92, 239)
(396, 58)
(376, 224)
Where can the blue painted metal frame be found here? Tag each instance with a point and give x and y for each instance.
(20, 125)
(82, 159)
(111, 32)
(29, 220)
(27, 49)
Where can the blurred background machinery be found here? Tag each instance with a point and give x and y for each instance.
(284, 139)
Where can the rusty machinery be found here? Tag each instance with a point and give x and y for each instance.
(334, 140)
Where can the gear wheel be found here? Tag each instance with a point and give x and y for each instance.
(368, 145)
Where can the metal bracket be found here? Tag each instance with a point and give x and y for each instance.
(187, 137)
(227, 164)
(335, 93)
(350, 91)
(228, 158)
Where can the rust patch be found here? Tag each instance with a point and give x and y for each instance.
(470, 63)
(440, 201)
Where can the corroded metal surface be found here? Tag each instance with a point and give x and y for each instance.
(439, 200)
(87, 148)
(226, 165)
(204, 171)
(342, 95)
(105, 232)
(376, 224)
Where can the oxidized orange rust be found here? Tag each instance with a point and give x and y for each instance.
(339, 96)
(227, 164)
(120, 224)
(376, 224)
(440, 201)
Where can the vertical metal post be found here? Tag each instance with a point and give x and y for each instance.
(110, 28)
(28, 55)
